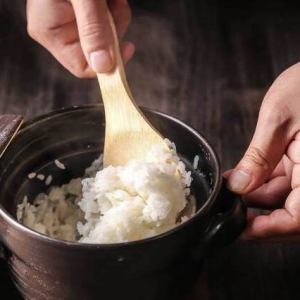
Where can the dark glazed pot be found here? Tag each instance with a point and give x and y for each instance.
(162, 267)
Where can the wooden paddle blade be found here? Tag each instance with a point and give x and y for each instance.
(131, 145)
(9, 126)
(128, 133)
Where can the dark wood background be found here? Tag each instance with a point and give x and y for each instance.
(208, 63)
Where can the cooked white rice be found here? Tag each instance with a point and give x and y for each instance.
(49, 180)
(196, 162)
(59, 164)
(41, 177)
(31, 175)
(117, 204)
(56, 213)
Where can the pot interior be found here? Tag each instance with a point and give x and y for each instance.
(75, 137)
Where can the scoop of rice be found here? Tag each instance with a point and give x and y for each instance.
(117, 204)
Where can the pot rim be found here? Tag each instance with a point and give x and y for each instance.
(76, 245)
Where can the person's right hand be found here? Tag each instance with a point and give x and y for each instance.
(78, 34)
(269, 173)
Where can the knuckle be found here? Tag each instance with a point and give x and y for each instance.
(276, 117)
(39, 34)
(257, 157)
(274, 112)
(32, 32)
(80, 72)
(94, 32)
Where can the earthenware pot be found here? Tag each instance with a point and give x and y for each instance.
(161, 267)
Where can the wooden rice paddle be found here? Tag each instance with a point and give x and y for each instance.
(128, 134)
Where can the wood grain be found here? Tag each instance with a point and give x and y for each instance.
(128, 133)
(208, 63)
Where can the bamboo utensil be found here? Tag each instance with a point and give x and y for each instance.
(128, 135)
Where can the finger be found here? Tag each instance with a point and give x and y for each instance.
(293, 150)
(44, 15)
(288, 166)
(65, 46)
(95, 33)
(56, 30)
(121, 13)
(227, 173)
(279, 170)
(293, 153)
(128, 50)
(63, 43)
(266, 149)
(270, 195)
(281, 222)
(252, 213)
(295, 182)
(284, 168)
(278, 223)
(264, 153)
(73, 59)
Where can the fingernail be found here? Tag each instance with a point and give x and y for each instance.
(238, 181)
(101, 61)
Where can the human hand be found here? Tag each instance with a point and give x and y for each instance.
(269, 173)
(78, 34)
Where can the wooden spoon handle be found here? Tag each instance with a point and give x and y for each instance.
(121, 111)
(128, 134)
(117, 76)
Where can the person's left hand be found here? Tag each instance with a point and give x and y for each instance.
(269, 173)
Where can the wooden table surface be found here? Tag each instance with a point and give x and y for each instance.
(208, 63)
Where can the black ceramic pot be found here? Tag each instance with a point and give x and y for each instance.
(161, 267)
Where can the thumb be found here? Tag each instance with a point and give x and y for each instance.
(95, 33)
(264, 153)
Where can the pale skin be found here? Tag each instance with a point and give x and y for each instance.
(78, 35)
(77, 32)
(269, 173)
